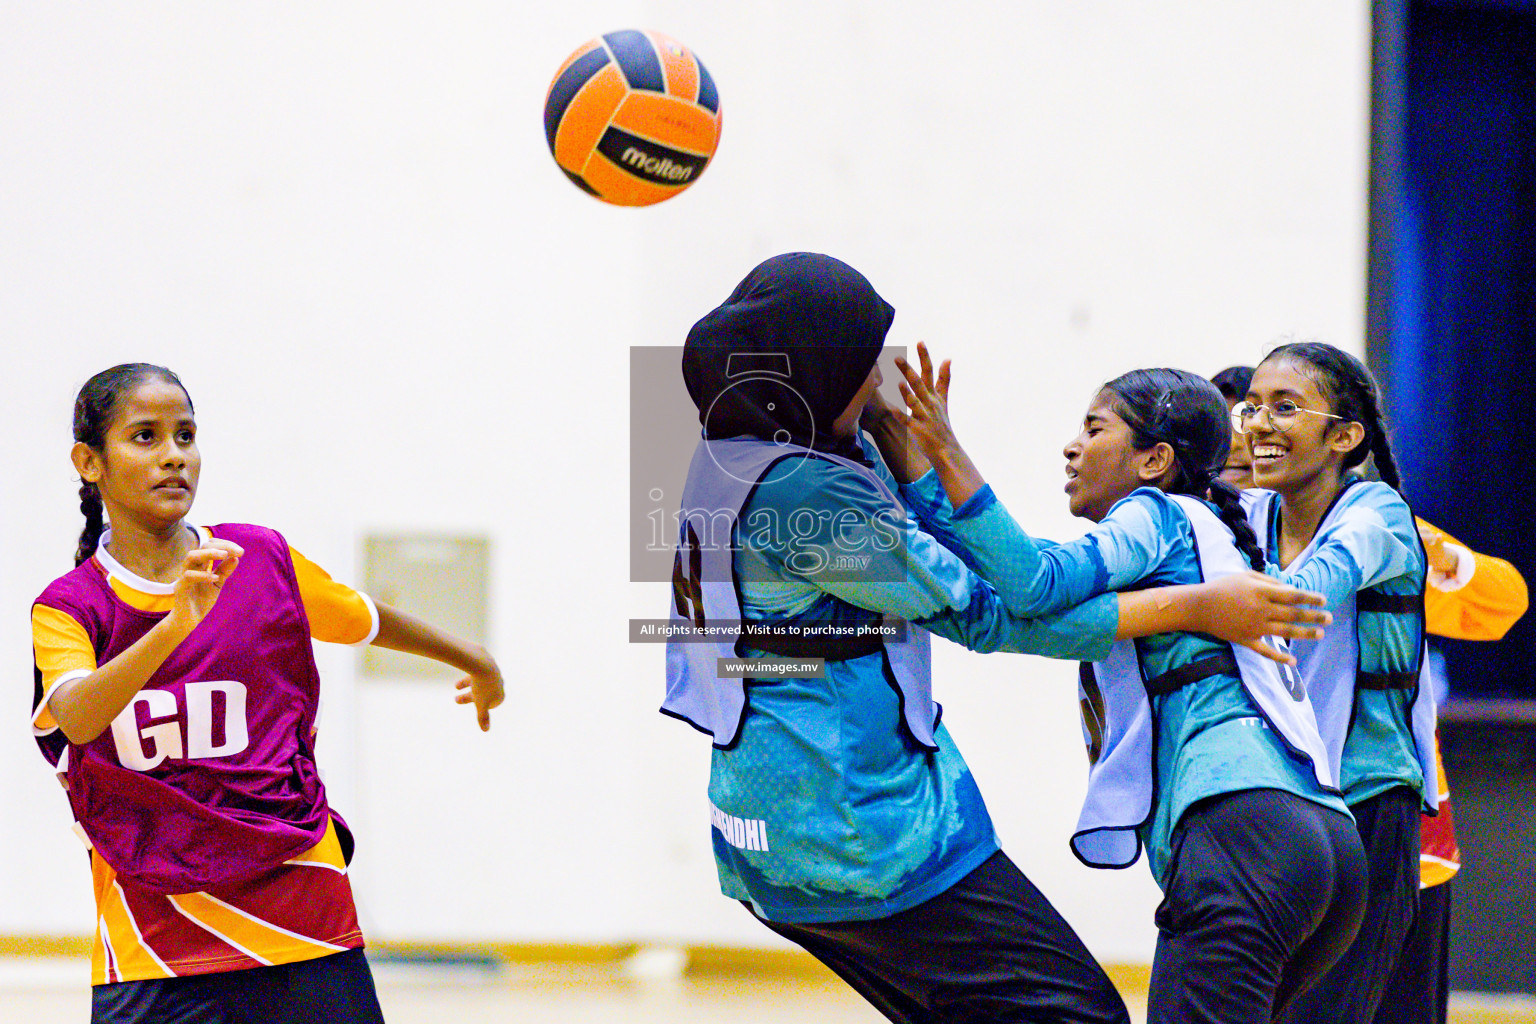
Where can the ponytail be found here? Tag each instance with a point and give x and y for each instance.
(94, 407)
(1231, 507)
(1382, 457)
(90, 507)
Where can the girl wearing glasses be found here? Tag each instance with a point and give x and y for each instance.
(1204, 753)
(843, 815)
(1470, 596)
(1311, 416)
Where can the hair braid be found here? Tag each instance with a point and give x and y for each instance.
(1381, 444)
(1227, 501)
(90, 507)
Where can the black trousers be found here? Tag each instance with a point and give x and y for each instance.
(1419, 990)
(1266, 891)
(327, 990)
(1352, 991)
(991, 948)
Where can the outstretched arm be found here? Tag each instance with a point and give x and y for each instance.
(1470, 596)
(1242, 608)
(482, 686)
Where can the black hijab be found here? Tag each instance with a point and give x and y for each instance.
(784, 355)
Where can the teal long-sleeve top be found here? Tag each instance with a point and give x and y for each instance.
(1372, 542)
(850, 819)
(1211, 738)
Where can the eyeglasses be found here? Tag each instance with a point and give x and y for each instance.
(1282, 415)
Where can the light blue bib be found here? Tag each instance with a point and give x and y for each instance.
(1351, 656)
(707, 601)
(1115, 696)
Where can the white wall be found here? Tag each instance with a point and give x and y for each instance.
(340, 224)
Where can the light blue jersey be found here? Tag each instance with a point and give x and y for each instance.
(1210, 736)
(1367, 562)
(826, 808)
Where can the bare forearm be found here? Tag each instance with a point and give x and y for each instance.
(85, 708)
(1159, 610)
(1240, 608)
(959, 475)
(402, 631)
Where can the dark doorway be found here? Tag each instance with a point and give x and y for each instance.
(1452, 322)
(1452, 336)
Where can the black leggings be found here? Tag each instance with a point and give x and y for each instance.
(988, 949)
(326, 990)
(1266, 891)
(1419, 990)
(1353, 990)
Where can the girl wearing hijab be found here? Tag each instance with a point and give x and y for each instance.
(806, 584)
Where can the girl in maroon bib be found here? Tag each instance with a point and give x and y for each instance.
(176, 693)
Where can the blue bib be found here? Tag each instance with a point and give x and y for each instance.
(1352, 655)
(1115, 696)
(707, 599)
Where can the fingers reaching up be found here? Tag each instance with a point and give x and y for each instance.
(927, 422)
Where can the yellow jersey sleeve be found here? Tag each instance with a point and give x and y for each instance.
(337, 614)
(62, 652)
(1478, 603)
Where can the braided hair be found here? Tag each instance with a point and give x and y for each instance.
(95, 406)
(1354, 394)
(1185, 411)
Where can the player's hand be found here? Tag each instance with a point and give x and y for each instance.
(203, 574)
(1244, 608)
(927, 423)
(876, 411)
(1441, 558)
(484, 690)
(927, 401)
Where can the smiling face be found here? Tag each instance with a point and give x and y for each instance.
(147, 467)
(1308, 449)
(1103, 464)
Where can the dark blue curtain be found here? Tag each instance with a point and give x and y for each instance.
(1453, 287)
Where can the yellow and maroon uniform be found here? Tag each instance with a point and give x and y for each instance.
(299, 909)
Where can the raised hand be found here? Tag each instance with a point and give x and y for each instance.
(203, 573)
(927, 423)
(927, 401)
